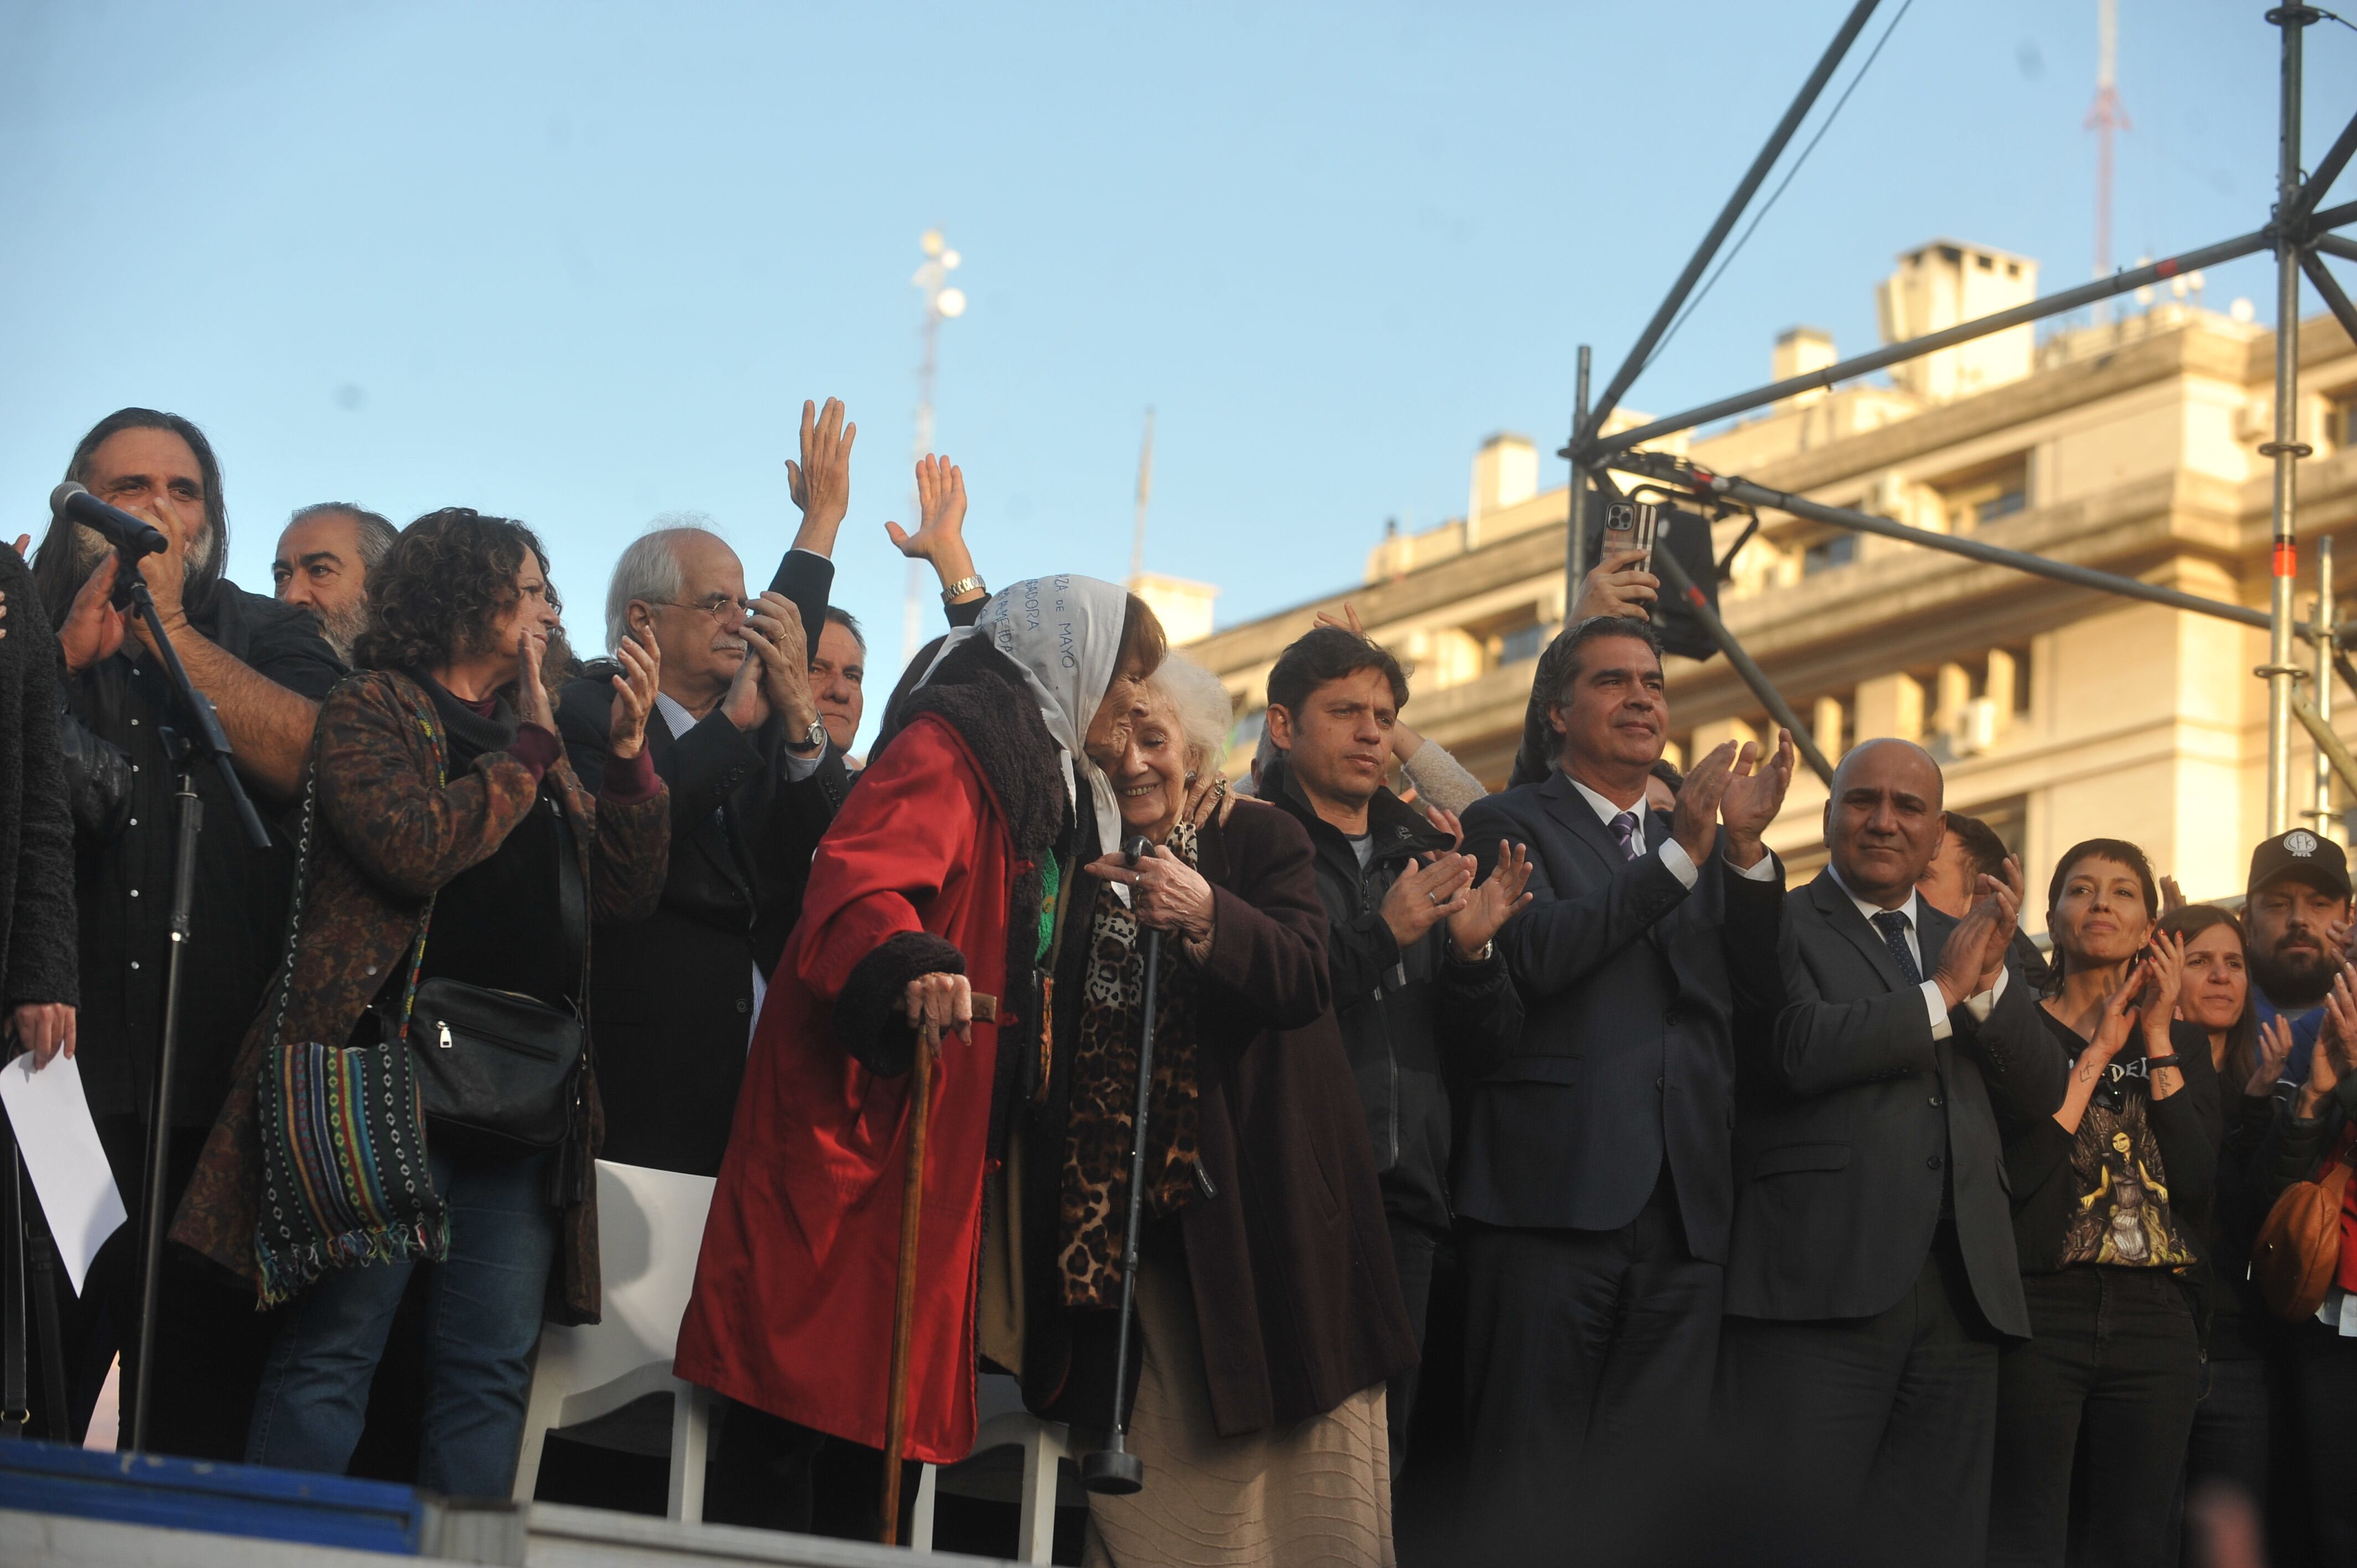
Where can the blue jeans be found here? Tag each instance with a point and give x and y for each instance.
(482, 1320)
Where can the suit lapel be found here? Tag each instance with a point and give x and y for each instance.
(1571, 809)
(1842, 915)
(1931, 928)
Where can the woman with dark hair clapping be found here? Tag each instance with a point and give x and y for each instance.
(451, 865)
(2110, 1195)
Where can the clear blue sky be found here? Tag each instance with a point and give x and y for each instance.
(581, 264)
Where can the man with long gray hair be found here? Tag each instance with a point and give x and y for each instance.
(264, 666)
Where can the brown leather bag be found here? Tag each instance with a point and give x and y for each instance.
(2297, 1251)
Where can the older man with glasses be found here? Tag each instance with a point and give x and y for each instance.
(754, 783)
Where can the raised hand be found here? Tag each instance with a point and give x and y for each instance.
(532, 700)
(1447, 822)
(2173, 896)
(821, 483)
(1617, 586)
(2166, 961)
(2336, 1041)
(2273, 1050)
(1694, 824)
(25, 547)
(634, 698)
(940, 521)
(1754, 796)
(2008, 894)
(1492, 905)
(1349, 623)
(93, 628)
(1426, 896)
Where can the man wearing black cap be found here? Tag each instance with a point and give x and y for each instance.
(2299, 899)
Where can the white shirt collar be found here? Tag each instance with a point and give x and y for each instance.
(1606, 810)
(1869, 909)
(680, 720)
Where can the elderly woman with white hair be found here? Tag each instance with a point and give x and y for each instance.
(1268, 1308)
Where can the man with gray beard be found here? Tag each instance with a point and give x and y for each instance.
(324, 559)
(264, 666)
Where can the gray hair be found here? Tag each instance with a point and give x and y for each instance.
(1207, 715)
(648, 570)
(376, 533)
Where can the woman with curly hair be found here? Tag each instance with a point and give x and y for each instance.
(450, 853)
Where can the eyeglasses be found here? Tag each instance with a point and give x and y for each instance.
(728, 611)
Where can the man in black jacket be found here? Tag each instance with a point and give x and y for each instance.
(1408, 940)
(1594, 1167)
(264, 666)
(755, 779)
(1872, 1273)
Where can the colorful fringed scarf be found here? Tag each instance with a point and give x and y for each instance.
(344, 1179)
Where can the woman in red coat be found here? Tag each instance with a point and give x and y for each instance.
(938, 869)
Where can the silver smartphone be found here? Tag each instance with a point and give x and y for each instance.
(1632, 523)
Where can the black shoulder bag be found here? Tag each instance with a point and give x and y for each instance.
(502, 1069)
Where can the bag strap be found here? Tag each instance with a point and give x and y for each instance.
(572, 904)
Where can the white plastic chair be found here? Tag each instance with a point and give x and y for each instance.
(1046, 1444)
(650, 1228)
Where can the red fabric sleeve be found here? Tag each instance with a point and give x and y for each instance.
(536, 747)
(907, 833)
(628, 783)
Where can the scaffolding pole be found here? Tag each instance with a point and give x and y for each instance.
(1574, 543)
(2320, 685)
(2279, 672)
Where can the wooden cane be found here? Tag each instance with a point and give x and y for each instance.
(904, 1293)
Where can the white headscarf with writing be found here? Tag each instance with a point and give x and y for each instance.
(1064, 634)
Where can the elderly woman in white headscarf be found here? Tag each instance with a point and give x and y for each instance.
(1268, 1311)
(941, 877)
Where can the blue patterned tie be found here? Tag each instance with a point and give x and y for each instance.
(1624, 828)
(1893, 925)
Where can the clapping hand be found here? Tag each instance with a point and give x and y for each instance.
(93, 628)
(2273, 1050)
(2007, 892)
(821, 483)
(2335, 1052)
(1500, 896)
(1694, 823)
(1753, 798)
(776, 649)
(2165, 965)
(634, 698)
(1617, 586)
(1421, 899)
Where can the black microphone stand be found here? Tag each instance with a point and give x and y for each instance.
(200, 737)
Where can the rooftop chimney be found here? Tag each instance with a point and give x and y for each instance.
(1505, 474)
(1944, 282)
(1799, 350)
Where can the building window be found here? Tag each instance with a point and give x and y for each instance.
(1985, 494)
(1833, 550)
(2341, 420)
(1527, 643)
(1243, 741)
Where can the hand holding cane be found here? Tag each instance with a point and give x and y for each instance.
(904, 1293)
(1113, 1469)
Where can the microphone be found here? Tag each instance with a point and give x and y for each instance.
(134, 536)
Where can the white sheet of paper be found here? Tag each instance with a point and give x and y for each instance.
(61, 1150)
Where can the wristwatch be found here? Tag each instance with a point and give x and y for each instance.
(1482, 957)
(961, 587)
(814, 738)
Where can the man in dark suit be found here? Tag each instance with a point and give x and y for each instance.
(1872, 1273)
(1593, 1168)
(755, 779)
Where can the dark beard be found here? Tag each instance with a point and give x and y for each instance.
(2295, 981)
(343, 629)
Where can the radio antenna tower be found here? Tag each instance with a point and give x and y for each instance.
(943, 302)
(1145, 495)
(2104, 117)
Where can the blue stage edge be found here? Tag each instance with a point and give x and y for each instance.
(218, 1499)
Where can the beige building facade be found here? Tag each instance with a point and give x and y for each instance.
(2058, 713)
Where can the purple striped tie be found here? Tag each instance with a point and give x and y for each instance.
(1624, 828)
